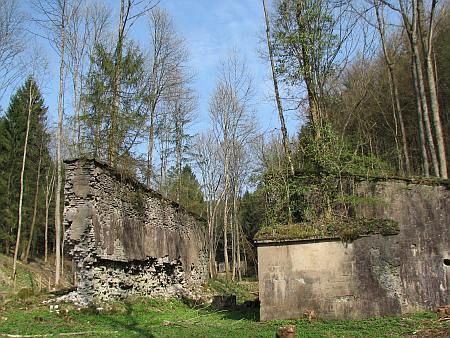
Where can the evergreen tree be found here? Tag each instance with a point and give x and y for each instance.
(13, 129)
(6, 216)
(190, 194)
(99, 99)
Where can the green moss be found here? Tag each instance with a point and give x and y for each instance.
(347, 229)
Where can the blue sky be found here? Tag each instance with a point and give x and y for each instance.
(211, 29)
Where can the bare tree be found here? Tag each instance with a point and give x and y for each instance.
(11, 43)
(230, 115)
(31, 96)
(397, 110)
(85, 29)
(207, 159)
(166, 71)
(410, 12)
(53, 16)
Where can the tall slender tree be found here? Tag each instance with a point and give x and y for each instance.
(232, 121)
(130, 11)
(284, 132)
(167, 76)
(25, 126)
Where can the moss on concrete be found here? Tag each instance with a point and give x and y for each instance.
(347, 229)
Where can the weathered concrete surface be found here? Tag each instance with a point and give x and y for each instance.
(372, 276)
(126, 239)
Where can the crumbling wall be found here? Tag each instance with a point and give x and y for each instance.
(126, 239)
(372, 276)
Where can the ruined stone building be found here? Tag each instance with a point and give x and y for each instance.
(372, 275)
(126, 239)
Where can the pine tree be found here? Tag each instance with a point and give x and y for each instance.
(188, 188)
(99, 99)
(13, 130)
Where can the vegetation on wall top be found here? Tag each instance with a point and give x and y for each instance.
(347, 229)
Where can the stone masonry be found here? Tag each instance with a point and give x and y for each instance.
(127, 240)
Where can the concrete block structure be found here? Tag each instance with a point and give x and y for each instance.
(371, 276)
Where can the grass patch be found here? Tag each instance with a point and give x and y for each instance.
(173, 318)
(31, 278)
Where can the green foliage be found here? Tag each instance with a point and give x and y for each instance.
(137, 199)
(332, 155)
(252, 212)
(185, 189)
(12, 139)
(98, 101)
(305, 41)
(322, 187)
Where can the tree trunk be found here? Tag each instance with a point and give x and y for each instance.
(277, 93)
(76, 108)
(427, 41)
(112, 147)
(59, 152)
(397, 111)
(225, 208)
(151, 140)
(178, 152)
(237, 235)
(22, 173)
(225, 229)
(425, 111)
(423, 147)
(411, 27)
(36, 195)
(212, 239)
(233, 243)
(436, 119)
(48, 199)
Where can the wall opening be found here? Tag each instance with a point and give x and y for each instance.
(447, 261)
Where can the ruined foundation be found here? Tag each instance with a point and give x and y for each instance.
(127, 240)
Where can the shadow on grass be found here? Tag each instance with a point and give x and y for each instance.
(240, 312)
(246, 311)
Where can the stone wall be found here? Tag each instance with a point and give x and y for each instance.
(126, 239)
(372, 276)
